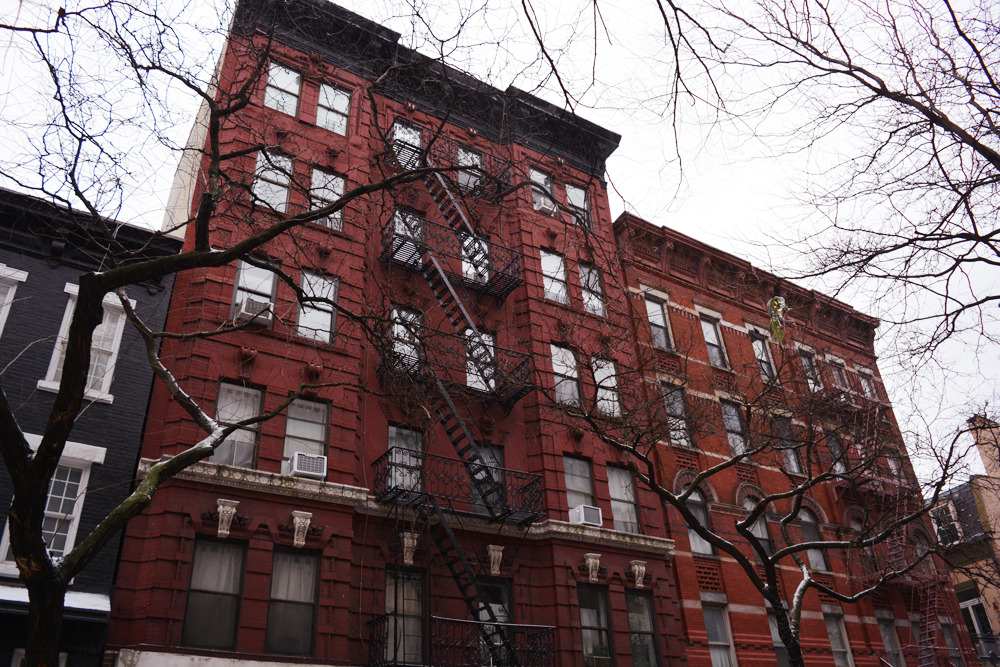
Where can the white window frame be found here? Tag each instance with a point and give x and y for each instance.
(866, 379)
(656, 308)
(724, 610)
(737, 438)
(250, 434)
(272, 179)
(578, 203)
(244, 291)
(9, 278)
(325, 188)
(75, 455)
(328, 288)
(593, 292)
(564, 372)
(713, 322)
(844, 650)
(607, 396)
(697, 503)
(815, 556)
(112, 306)
(331, 117)
(276, 97)
(554, 282)
(758, 335)
(406, 151)
(303, 443)
(408, 230)
(542, 191)
(810, 369)
(469, 178)
(624, 504)
(677, 424)
(578, 492)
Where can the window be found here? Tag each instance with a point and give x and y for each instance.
(291, 611)
(978, 623)
(948, 530)
(759, 527)
(890, 639)
(579, 205)
(498, 595)
(283, 87)
(785, 441)
(408, 238)
(406, 459)
(624, 508)
(480, 361)
(236, 404)
(554, 277)
(593, 293)
(676, 414)
(733, 421)
(720, 643)
(812, 374)
(641, 630)
(305, 430)
(9, 278)
(404, 605)
(475, 258)
(405, 330)
(406, 143)
(542, 197)
(254, 300)
(696, 505)
(317, 318)
(63, 506)
(105, 341)
(594, 627)
(213, 599)
(867, 384)
(763, 355)
(810, 533)
(838, 640)
(780, 650)
(333, 108)
(839, 464)
(954, 653)
(492, 457)
(468, 178)
(894, 462)
(579, 482)
(567, 384)
(716, 353)
(838, 372)
(606, 382)
(272, 178)
(325, 189)
(656, 313)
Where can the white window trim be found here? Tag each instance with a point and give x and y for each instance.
(663, 298)
(754, 330)
(75, 455)
(318, 335)
(843, 633)
(870, 374)
(800, 351)
(10, 277)
(717, 318)
(50, 383)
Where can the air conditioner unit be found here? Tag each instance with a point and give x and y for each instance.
(586, 515)
(308, 465)
(253, 309)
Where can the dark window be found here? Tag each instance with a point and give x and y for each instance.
(763, 356)
(784, 440)
(291, 612)
(733, 421)
(656, 313)
(839, 464)
(406, 459)
(213, 600)
(759, 527)
(597, 649)
(404, 606)
(642, 631)
(716, 353)
(812, 374)
(810, 533)
(676, 413)
(696, 504)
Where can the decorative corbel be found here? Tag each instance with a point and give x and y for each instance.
(638, 571)
(300, 520)
(496, 557)
(227, 510)
(410, 541)
(593, 564)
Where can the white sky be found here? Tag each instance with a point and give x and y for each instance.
(731, 192)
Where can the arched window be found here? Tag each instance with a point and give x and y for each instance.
(810, 533)
(759, 527)
(696, 504)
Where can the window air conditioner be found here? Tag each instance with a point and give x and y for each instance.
(252, 309)
(586, 515)
(308, 465)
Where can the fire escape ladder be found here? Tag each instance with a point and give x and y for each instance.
(930, 603)
(447, 204)
(492, 636)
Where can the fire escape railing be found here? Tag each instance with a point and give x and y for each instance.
(403, 475)
(473, 261)
(505, 378)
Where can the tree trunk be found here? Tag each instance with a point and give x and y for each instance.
(789, 639)
(45, 618)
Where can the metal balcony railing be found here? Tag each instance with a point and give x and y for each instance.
(987, 646)
(457, 643)
(403, 475)
(475, 262)
(481, 175)
(428, 352)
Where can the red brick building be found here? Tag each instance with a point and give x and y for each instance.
(705, 336)
(423, 502)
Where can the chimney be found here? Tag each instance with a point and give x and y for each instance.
(986, 433)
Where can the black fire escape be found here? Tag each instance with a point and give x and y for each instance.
(455, 259)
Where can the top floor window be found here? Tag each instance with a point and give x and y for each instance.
(812, 373)
(656, 313)
(713, 339)
(472, 160)
(283, 88)
(333, 108)
(406, 142)
(579, 205)
(763, 356)
(867, 382)
(838, 372)
(9, 278)
(542, 194)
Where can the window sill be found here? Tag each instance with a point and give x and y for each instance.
(95, 396)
